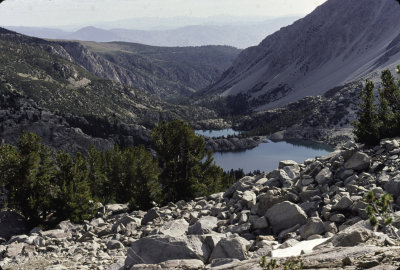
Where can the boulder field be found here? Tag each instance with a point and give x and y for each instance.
(310, 214)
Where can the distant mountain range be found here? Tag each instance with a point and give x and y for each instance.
(237, 34)
(341, 41)
(168, 23)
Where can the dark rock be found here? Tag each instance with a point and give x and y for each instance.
(11, 223)
(151, 215)
(358, 162)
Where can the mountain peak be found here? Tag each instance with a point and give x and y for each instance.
(91, 33)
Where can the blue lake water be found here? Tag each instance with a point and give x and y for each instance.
(266, 156)
(217, 133)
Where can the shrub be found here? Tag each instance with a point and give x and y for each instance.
(379, 210)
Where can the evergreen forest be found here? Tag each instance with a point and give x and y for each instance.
(47, 187)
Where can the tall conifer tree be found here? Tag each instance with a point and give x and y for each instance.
(366, 128)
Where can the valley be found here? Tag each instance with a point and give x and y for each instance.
(151, 84)
(126, 149)
(117, 92)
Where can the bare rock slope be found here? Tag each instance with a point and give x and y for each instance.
(341, 41)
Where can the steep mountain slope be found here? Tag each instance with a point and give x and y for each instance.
(42, 71)
(341, 41)
(169, 73)
(241, 34)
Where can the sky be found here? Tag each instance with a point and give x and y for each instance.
(79, 12)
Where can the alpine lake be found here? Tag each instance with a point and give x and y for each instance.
(266, 156)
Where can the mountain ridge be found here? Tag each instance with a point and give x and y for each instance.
(325, 49)
(169, 73)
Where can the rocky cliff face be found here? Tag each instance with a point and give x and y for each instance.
(314, 211)
(168, 73)
(341, 41)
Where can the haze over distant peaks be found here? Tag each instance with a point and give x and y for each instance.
(238, 33)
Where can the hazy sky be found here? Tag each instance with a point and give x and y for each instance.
(73, 12)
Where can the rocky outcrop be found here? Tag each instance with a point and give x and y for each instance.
(326, 118)
(291, 211)
(63, 132)
(233, 144)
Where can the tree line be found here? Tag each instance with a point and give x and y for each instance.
(47, 187)
(379, 120)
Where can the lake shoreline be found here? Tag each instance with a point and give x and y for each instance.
(259, 152)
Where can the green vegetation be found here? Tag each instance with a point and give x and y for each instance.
(268, 265)
(124, 175)
(373, 123)
(40, 186)
(288, 264)
(379, 210)
(187, 168)
(363, 127)
(47, 187)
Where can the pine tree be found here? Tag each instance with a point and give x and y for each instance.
(386, 117)
(187, 169)
(391, 93)
(31, 191)
(367, 126)
(9, 167)
(391, 90)
(81, 204)
(141, 182)
(98, 180)
(73, 197)
(115, 173)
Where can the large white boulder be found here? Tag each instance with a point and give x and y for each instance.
(285, 215)
(234, 247)
(158, 248)
(204, 225)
